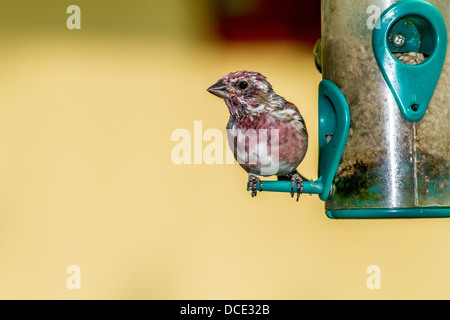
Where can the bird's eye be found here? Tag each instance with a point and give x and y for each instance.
(243, 85)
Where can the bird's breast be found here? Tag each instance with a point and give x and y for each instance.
(264, 141)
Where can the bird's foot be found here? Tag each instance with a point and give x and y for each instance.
(296, 180)
(253, 182)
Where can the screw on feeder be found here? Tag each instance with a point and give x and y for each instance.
(415, 107)
(399, 40)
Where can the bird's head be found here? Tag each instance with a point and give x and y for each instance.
(245, 93)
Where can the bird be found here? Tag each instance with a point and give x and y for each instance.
(267, 133)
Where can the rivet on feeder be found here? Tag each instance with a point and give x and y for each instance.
(399, 40)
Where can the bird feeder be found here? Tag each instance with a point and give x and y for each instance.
(384, 110)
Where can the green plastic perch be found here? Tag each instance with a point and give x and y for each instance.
(309, 187)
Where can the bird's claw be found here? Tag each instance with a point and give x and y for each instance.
(253, 182)
(296, 181)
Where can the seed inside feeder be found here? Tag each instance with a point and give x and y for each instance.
(410, 58)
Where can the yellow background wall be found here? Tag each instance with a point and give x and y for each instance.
(86, 176)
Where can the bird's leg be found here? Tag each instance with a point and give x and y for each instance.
(296, 180)
(253, 182)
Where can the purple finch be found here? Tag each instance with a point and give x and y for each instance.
(267, 134)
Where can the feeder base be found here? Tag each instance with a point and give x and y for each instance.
(404, 213)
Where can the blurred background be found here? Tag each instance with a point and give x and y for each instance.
(86, 118)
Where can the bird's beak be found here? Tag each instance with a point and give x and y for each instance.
(220, 90)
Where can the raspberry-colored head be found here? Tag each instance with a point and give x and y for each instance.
(245, 92)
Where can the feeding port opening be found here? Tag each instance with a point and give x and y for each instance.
(412, 40)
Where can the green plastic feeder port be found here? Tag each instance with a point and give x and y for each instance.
(411, 26)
